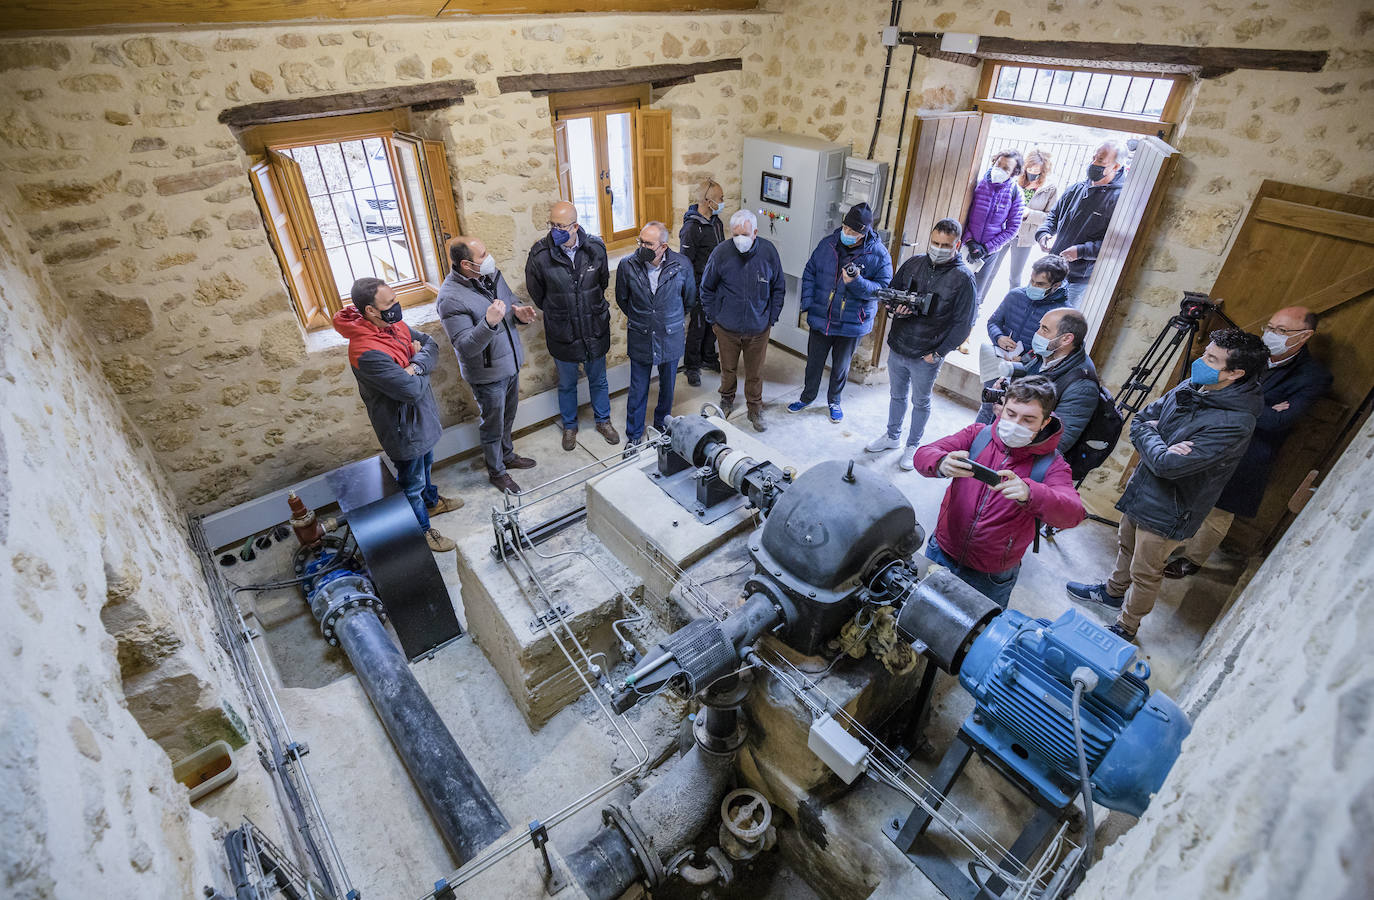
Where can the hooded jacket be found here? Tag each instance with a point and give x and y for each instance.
(485, 354)
(572, 295)
(400, 405)
(654, 320)
(1018, 316)
(994, 213)
(698, 236)
(1171, 493)
(1080, 219)
(743, 292)
(834, 307)
(951, 314)
(981, 529)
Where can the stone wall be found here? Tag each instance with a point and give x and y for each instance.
(107, 642)
(1273, 795)
(140, 204)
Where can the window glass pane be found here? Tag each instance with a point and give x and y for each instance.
(361, 260)
(585, 184)
(343, 273)
(620, 161)
(324, 218)
(310, 170)
(1097, 91)
(1116, 92)
(356, 160)
(349, 216)
(1136, 96)
(1060, 89)
(332, 162)
(1078, 89)
(1024, 85)
(375, 151)
(391, 258)
(1159, 95)
(1006, 82)
(1041, 92)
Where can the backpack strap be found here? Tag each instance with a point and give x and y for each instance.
(1041, 467)
(980, 442)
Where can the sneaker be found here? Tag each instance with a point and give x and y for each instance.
(756, 419)
(1122, 632)
(883, 443)
(836, 414)
(726, 407)
(694, 377)
(1093, 593)
(1181, 567)
(569, 438)
(504, 482)
(797, 405)
(607, 430)
(445, 504)
(630, 447)
(437, 542)
(516, 461)
(908, 461)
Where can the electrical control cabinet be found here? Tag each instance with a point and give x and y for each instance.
(793, 183)
(865, 180)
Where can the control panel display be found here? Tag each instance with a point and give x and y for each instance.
(776, 189)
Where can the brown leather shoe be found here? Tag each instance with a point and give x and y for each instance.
(445, 504)
(607, 430)
(504, 483)
(569, 438)
(437, 542)
(516, 461)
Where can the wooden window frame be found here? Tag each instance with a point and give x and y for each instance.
(1162, 128)
(290, 220)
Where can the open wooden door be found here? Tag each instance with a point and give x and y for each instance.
(1306, 247)
(654, 164)
(945, 150)
(1123, 248)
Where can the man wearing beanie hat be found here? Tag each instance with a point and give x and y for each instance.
(837, 293)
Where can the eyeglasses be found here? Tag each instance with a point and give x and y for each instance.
(563, 225)
(1286, 332)
(648, 245)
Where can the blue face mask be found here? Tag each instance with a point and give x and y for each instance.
(1204, 374)
(848, 240)
(1035, 293)
(559, 235)
(1040, 345)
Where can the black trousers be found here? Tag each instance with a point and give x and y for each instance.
(840, 350)
(701, 342)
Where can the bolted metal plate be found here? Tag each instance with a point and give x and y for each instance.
(682, 487)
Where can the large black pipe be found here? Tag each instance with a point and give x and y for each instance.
(465, 812)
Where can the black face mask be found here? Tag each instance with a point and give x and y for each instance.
(1095, 172)
(645, 255)
(391, 315)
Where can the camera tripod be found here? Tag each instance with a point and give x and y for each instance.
(1145, 374)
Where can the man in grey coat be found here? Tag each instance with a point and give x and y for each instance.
(480, 315)
(1190, 442)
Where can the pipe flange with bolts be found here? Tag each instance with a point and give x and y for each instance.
(639, 844)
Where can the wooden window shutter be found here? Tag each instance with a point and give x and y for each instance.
(562, 160)
(287, 247)
(441, 181)
(291, 186)
(422, 206)
(653, 162)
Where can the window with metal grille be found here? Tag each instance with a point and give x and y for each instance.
(1097, 91)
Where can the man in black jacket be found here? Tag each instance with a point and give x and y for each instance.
(919, 340)
(701, 231)
(566, 276)
(654, 287)
(1190, 442)
(392, 364)
(1076, 226)
(1292, 382)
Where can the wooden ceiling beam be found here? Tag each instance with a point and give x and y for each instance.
(547, 7)
(658, 76)
(1208, 62)
(432, 95)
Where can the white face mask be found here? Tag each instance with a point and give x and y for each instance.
(1013, 434)
(1276, 343)
(939, 255)
(998, 175)
(488, 266)
(744, 242)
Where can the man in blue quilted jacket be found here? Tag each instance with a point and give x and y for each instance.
(837, 292)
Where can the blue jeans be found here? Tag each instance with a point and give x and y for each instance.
(596, 385)
(996, 587)
(413, 474)
(1075, 290)
(916, 377)
(638, 400)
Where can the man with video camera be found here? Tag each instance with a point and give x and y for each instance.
(932, 301)
(838, 293)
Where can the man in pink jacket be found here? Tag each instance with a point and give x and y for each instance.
(984, 529)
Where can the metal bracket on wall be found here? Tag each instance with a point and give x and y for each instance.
(544, 619)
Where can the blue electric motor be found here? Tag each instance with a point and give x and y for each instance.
(1019, 672)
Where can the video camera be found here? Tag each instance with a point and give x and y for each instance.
(901, 304)
(1195, 305)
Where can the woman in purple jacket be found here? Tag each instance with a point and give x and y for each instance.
(995, 213)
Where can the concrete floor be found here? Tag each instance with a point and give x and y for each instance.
(383, 831)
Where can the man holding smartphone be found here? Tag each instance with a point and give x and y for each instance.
(1006, 477)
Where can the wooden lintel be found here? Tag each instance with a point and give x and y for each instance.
(658, 76)
(1208, 62)
(431, 95)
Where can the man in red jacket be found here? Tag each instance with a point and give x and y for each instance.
(984, 529)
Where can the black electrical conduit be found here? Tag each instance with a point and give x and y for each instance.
(893, 17)
(901, 133)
